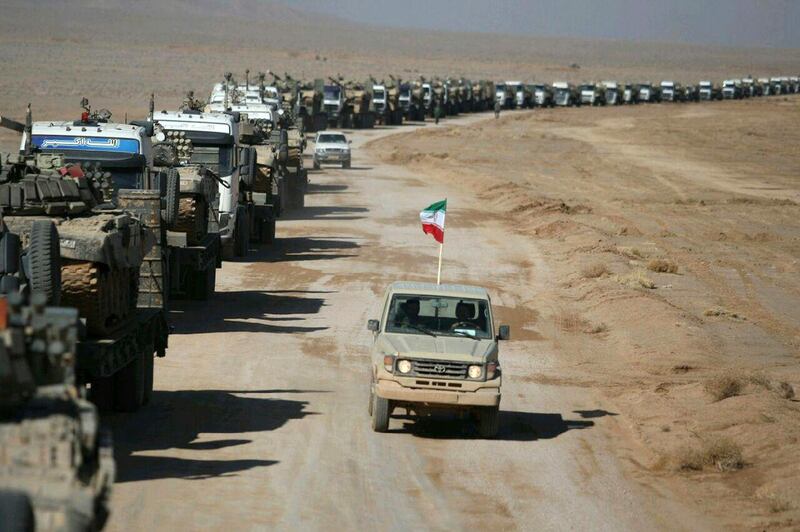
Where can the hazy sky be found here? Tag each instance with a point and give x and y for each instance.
(727, 22)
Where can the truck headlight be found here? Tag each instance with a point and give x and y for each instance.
(475, 372)
(404, 366)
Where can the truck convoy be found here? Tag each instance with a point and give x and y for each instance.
(126, 152)
(434, 348)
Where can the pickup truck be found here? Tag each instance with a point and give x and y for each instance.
(435, 349)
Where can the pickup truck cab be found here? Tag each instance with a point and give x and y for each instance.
(435, 349)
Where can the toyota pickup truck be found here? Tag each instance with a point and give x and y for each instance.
(435, 349)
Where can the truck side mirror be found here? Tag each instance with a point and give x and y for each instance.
(373, 325)
(504, 332)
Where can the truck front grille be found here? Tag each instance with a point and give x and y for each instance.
(439, 369)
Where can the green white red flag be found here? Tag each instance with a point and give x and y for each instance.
(432, 218)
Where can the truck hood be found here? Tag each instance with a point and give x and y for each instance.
(441, 347)
(332, 145)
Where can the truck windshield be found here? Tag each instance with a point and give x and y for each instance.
(440, 316)
(331, 139)
(218, 158)
(405, 92)
(378, 94)
(331, 92)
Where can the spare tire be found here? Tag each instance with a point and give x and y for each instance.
(44, 261)
(172, 197)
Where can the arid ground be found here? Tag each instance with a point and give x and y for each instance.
(646, 257)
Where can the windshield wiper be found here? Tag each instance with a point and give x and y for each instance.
(422, 329)
(467, 335)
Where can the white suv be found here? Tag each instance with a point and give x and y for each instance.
(331, 147)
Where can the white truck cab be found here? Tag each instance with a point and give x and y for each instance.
(379, 98)
(123, 150)
(214, 139)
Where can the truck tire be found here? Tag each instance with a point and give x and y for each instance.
(201, 283)
(268, 231)
(44, 260)
(129, 385)
(381, 408)
(149, 372)
(102, 394)
(489, 421)
(17, 511)
(172, 198)
(241, 237)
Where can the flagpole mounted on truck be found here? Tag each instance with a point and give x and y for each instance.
(432, 218)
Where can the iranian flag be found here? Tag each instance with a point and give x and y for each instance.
(432, 218)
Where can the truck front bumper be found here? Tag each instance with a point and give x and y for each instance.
(479, 396)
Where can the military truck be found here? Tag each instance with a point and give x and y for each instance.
(482, 96)
(611, 92)
(671, 91)
(216, 146)
(648, 93)
(504, 95)
(386, 102)
(591, 94)
(56, 463)
(565, 94)
(126, 152)
(347, 105)
(776, 86)
(434, 348)
(630, 94)
(91, 262)
(690, 93)
(542, 95)
(732, 89)
(411, 102)
(708, 91)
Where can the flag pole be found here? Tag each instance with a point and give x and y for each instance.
(439, 272)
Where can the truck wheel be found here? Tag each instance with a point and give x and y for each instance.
(17, 511)
(269, 230)
(489, 421)
(102, 394)
(242, 235)
(149, 369)
(346, 164)
(44, 260)
(381, 408)
(129, 386)
(172, 197)
(202, 283)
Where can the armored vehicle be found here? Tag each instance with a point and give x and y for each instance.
(542, 96)
(591, 94)
(565, 94)
(102, 235)
(435, 349)
(55, 461)
(611, 92)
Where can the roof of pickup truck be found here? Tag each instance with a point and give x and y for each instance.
(454, 290)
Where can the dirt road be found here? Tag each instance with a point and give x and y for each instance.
(260, 415)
